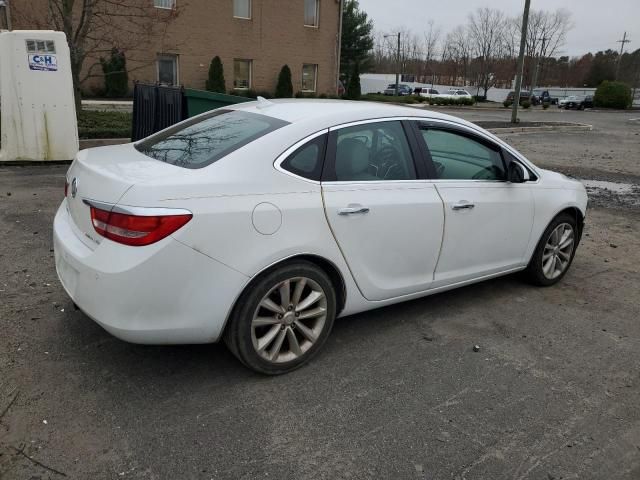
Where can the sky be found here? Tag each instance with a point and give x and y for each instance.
(594, 27)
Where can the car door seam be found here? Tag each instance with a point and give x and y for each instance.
(344, 257)
(444, 223)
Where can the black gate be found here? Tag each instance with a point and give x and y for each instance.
(156, 107)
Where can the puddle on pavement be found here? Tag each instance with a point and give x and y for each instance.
(619, 188)
(612, 194)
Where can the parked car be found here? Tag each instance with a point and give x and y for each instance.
(261, 222)
(459, 93)
(402, 89)
(540, 96)
(429, 92)
(524, 97)
(562, 102)
(578, 102)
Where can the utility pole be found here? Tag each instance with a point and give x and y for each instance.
(622, 42)
(534, 84)
(398, 66)
(520, 68)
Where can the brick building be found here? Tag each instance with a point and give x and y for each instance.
(253, 38)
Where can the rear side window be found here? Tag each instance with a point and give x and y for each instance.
(307, 160)
(203, 141)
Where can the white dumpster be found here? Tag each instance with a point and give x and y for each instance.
(37, 112)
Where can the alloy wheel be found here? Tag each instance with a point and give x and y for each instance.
(289, 320)
(557, 251)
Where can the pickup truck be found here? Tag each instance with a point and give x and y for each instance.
(540, 96)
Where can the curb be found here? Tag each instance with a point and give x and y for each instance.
(548, 128)
(102, 142)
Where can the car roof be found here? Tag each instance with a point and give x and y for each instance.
(326, 113)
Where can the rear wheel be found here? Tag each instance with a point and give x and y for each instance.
(554, 252)
(283, 318)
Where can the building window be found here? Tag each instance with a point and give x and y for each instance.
(169, 4)
(242, 74)
(309, 75)
(168, 69)
(311, 11)
(242, 8)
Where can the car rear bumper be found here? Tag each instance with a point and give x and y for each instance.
(164, 293)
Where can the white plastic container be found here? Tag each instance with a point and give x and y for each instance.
(38, 112)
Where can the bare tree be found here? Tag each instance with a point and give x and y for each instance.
(486, 27)
(94, 27)
(546, 36)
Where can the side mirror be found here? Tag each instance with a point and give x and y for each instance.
(517, 173)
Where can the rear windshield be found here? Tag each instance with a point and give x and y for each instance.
(204, 140)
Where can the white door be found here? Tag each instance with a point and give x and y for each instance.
(488, 220)
(387, 222)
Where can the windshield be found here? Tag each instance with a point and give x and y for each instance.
(204, 140)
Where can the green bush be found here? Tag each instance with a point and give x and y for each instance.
(104, 124)
(545, 105)
(507, 103)
(612, 95)
(116, 79)
(215, 82)
(284, 89)
(526, 104)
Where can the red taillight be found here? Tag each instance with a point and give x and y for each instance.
(135, 230)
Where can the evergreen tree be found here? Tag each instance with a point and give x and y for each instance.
(357, 40)
(215, 82)
(284, 89)
(116, 78)
(353, 89)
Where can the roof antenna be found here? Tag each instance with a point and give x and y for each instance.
(264, 103)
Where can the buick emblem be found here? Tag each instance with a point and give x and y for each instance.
(74, 187)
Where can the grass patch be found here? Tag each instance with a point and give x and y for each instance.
(94, 124)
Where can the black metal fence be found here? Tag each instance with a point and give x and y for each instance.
(156, 107)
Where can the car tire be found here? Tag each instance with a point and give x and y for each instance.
(549, 252)
(276, 339)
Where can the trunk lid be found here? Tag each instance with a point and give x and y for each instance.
(104, 175)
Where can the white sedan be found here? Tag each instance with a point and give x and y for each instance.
(261, 223)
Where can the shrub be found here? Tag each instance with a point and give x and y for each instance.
(322, 95)
(284, 89)
(93, 124)
(507, 103)
(215, 82)
(545, 105)
(116, 79)
(526, 104)
(354, 91)
(612, 95)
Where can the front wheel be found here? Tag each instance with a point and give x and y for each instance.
(282, 319)
(554, 252)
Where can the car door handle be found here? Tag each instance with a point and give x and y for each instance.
(463, 205)
(353, 210)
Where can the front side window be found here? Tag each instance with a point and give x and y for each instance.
(306, 161)
(241, 74)
(311, 11)
(242, 8)
(309, 75)
(167, 69)
(202, 141)
(458, 157)
(372, 152)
